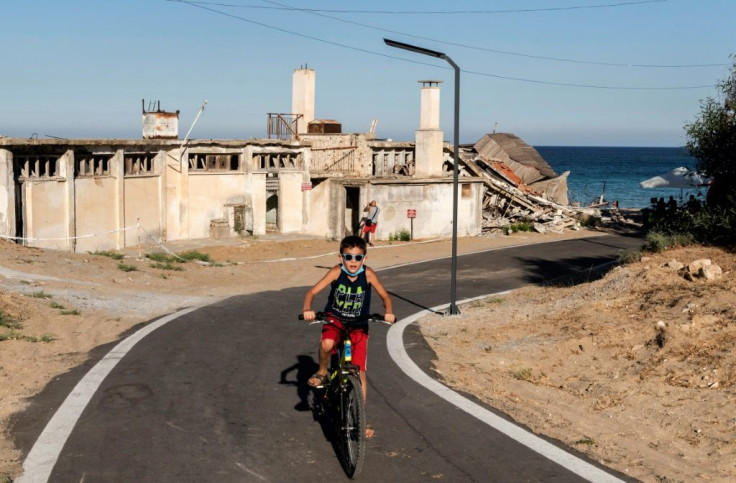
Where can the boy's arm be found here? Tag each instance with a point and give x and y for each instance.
(330, 277)
(388, 304)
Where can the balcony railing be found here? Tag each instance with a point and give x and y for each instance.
(283, 126)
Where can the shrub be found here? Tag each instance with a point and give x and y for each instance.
(401, 235)
(8, 322)
(630, 255)
(195, 255)
(167, 266)
(110, 254)
(160, 257)
(708, 226)
(127, 268)
(518, 226)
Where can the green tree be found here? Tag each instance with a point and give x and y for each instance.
(711, 140)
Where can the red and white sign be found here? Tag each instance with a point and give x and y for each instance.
(410, 213)
(307, 186)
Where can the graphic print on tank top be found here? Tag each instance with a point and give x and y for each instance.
(348, 301)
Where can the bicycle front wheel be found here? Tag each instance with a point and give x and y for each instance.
(352, 428)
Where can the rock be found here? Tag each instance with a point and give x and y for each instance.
(702, 269)
(710, 272)
(697, 264)
(674, 265)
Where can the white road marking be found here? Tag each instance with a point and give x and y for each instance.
(395, 344)
(41, 459)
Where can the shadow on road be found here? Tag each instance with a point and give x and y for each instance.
(304, 368)
(565, 271)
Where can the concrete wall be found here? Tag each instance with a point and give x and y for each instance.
(94, 217)
(208, 195)
(303, 97)
(258, 199)
(143, 204)
(433, 204)
(46, 215)
(318, 220)
(7, 194)
(291, 202)
(173, 203)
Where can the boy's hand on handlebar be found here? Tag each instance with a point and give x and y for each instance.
(309, 315)
(391, 318)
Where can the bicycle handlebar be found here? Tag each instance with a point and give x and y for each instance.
(322, 318)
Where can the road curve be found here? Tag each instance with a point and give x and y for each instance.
(218, 393)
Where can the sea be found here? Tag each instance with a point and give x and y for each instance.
(615, 173)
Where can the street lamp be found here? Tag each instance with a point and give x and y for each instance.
(453, 310)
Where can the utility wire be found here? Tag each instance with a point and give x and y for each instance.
(447, 42)
(372, 52)
(438, 12)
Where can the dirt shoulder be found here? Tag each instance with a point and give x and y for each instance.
(81, 301)
(637, 370)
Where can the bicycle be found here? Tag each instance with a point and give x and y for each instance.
(342, 399)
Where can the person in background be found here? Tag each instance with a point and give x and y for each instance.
(371, 219)
(672, 205)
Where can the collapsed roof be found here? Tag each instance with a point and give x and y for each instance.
(520, 184)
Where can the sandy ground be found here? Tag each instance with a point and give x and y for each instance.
(578, 364)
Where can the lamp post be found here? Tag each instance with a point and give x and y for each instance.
(452, 310)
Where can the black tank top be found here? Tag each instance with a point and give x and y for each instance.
(350, 301)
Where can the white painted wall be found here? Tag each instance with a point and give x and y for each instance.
(433, 205)
(303, 97)
(7, 194)
(95, 214)
(208, 195)
(291, 202)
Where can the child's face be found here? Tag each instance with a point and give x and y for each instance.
(353, 253)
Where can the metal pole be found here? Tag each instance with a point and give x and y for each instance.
(452, 310)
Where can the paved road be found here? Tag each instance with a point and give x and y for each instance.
(219, 393)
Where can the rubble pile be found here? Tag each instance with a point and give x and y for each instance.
(521, 187)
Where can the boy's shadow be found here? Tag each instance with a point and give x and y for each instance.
(304, 368)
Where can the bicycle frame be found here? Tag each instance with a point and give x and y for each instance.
(344, 394)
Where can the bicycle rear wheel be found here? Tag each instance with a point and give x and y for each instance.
(352, 428)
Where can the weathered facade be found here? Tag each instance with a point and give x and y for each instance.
(89, 194)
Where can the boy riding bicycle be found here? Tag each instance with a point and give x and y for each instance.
(349, 300)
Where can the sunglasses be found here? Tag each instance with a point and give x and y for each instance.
(349, 257)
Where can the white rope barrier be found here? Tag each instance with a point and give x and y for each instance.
(67, 238)
(160, 244)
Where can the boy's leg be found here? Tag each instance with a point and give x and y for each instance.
(360, 356)
(326, 344)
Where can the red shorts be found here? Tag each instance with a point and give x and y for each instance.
(371, 228)
(358, 336)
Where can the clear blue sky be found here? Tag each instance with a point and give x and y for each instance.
(79, 68)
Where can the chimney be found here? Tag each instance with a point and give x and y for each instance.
(302, 97)
(429, 137)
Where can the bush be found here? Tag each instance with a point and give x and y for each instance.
(109, 254)
(708, 226)
(629, 256)
(519, 226)
(195, 255)
(402, 235)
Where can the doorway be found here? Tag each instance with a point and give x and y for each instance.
(352, 210)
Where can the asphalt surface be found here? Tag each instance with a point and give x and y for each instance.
(220, 393)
